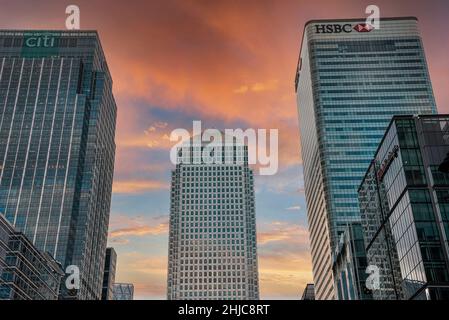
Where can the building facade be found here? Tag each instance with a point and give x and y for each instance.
(351, 79)
(25, 272)
(212, 238)
(309, 292)
(123, 291)
(350, 264)
(404, 201)
(57, 146)
(110, 265)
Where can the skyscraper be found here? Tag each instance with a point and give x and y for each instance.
(123, 291)
(212, 238)
(351, 79)
(350, 264)
(309, 292)
(110, 265)
(57, 146)
(404, 201)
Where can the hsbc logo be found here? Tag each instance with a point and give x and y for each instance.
(343, 28)
(363, 27)
(333, 28)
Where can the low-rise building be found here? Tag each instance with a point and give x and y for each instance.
(25, 272)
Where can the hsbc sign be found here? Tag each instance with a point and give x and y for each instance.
(333, 28)
(343, 28)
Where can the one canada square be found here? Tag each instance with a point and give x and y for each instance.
(351, 79)
(212, 242)
(57, 147)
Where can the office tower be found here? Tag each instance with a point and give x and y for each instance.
(350, 264)
(404, 201)
(351, 79)
(110, 264)
(212, 238)
(309, 292)
(25, 272)
(123, 291)
(57, 147)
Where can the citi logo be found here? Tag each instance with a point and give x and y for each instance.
(343, 28)
(40, 41)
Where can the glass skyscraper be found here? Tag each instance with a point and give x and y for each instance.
(309, 292)
(123, 291)
(351, 79)
(57, 146)
(212, 239)
(110, 265)
(404, 201)
(349, 265)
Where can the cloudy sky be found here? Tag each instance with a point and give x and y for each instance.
(230, 64)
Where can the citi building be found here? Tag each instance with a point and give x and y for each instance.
(57, 126)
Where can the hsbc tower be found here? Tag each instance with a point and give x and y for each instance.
(351, 79)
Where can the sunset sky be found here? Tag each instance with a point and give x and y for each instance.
(230, 64)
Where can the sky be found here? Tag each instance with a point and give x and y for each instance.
(230, 64)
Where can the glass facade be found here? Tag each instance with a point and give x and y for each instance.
(406, 226)
(349, 84)
(123, 291)
(212, 245)
(57, 146)
(110, 265)
(309, 292)
(25, 272)
(350, 263)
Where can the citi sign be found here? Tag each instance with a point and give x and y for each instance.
(343, 28)
(40, 41)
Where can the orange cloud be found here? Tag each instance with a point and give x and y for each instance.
(119, 241)
(140, 231)
(147, 273)
(157, 134)
(258, 87)
(138, 186)
(282, 231)
(123, 227)
(241, 89)
(284, 275)
(284, 260)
